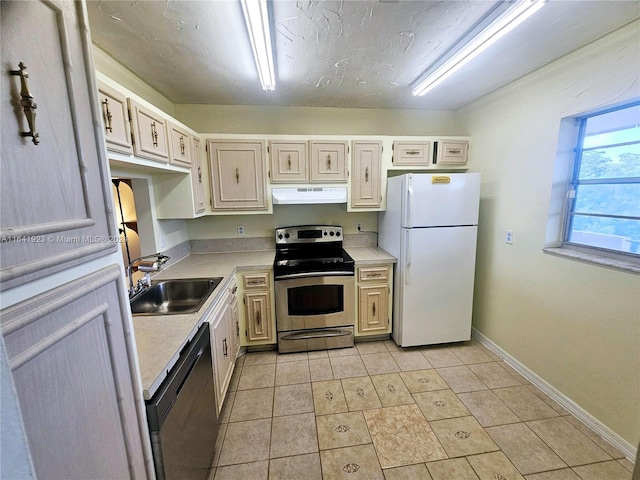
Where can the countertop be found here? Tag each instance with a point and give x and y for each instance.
(161, 338)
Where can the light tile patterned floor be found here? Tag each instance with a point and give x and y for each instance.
(376, 411)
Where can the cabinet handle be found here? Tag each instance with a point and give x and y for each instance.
(366, 174)
(224, 347)
(154, 134)
(258, 317)
(412, 152)
(374, 309)
(454, 151)
(234, 290)
(199, 174)
(289, 161)
(328, 162)
(28, 103)
(182, 145)
(107, 116)
(237, 176)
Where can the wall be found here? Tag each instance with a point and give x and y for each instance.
(283, 215)
(576, 325)
(261, 119)
(107, 65)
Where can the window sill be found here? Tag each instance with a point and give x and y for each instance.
(619, 262)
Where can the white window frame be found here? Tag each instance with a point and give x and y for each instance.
(560, 230)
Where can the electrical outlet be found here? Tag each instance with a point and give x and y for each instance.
(359, 226)
(240, 230)
(509, 237)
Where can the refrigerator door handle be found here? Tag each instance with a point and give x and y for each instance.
(407, 210)
(407, 256)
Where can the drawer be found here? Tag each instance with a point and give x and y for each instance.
(411, 153)
(255, 280)
(373, 274)
(452, 152)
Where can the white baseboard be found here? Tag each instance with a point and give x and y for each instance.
(629, 451)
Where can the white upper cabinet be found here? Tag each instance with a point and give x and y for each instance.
(238, 180)
(180, 142)
(149, 133)
(328, 161)
(289, 163)
(115, 119)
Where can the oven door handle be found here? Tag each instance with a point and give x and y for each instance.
(316, 334)
(313, 274)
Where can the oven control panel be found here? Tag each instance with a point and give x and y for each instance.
(308, 234)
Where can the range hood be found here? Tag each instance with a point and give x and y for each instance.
(311, 195)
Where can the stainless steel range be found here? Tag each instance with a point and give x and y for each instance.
(315, 288)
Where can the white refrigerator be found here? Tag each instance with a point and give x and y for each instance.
(430, 226)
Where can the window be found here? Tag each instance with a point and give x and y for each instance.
(604, 194)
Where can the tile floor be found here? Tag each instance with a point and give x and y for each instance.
(376, 411)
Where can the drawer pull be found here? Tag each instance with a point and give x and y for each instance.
(412, 152)
(107, 116)
(154, 134)
(454, 151)
(28, 103)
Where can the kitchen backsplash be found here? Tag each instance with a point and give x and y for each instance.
(268, 243)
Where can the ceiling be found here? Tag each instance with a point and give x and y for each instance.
(352, 53)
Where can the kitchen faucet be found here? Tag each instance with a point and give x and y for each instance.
(146, 267)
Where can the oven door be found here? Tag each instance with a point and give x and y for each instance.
(315, 313)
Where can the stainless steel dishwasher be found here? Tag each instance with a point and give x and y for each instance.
(182, 415)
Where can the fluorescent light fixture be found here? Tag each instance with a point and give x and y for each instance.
(256, 17)
(516, 13)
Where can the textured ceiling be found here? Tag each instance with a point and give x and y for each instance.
(337, 53)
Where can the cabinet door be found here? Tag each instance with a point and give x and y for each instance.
(328, 162)
(412, 153)
(289, 162)
(180, 142)
(71, 357)
(373, 308)
(221, 352)
(258, 315)
(452, 152)
(197, 176)
(115, 119)
(237, 175)
(149, 133)
(234, 324)
(366, 183)
(52, 194)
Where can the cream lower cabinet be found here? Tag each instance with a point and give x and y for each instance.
(224, 342)
(258, 321)
(374, 299)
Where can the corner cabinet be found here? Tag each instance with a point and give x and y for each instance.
(224, 341)
(366, 180)
(238, 180)
(374, 299)
(257, 319)
(197, 176)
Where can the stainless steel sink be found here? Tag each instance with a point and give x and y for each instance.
(171, 297)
